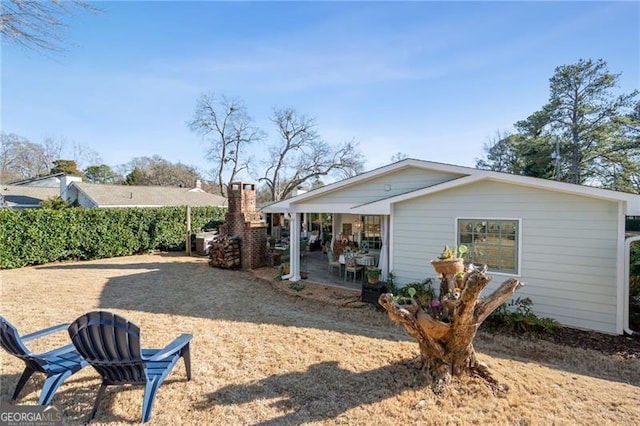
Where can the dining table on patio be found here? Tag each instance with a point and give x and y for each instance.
(362, 259)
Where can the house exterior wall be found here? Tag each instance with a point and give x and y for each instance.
(389, 185)
(568, 246)
(83, 200)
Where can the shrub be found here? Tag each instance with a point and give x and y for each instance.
(36, 236)
(297, 286)
(516, 315)
(422, 292)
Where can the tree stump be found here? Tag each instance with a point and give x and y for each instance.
(446, 348)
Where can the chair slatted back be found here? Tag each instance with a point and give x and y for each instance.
(11, 342)
(350, 259)
(111, 344)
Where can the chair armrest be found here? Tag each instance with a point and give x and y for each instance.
(59, 351)
(173, 347)
(44, 332)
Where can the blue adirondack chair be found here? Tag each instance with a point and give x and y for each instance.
(57, 364)
(111, 344)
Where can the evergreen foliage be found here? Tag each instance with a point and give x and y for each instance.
(37, 236)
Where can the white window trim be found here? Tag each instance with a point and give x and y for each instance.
(518, 272)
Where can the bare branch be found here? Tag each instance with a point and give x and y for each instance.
(228, 128)
(302, 156)
(39, 25)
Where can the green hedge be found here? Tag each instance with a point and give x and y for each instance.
(37, 236)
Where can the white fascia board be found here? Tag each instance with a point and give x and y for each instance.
(277, 207)
(633, 200)
(569, 188)
(379, 209)
(321, 208)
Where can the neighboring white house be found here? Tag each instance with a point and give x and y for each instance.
(29, 194)
(566, 242)
(98, 195)
(25, 197)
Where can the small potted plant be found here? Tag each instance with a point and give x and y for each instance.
(373, 275)
(450, 261)
(285, 269)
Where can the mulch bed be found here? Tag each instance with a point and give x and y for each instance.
(624, 346)
(627, 347)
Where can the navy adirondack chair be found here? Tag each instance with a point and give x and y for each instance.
(57, 365)
(111, 344)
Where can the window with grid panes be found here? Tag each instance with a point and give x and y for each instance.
(493, 242)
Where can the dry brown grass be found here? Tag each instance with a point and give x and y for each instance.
(261, 356)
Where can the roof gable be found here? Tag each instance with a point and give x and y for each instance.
(461, 176)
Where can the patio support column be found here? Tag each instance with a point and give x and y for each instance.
(294, 246)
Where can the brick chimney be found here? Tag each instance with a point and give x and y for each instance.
(244, 221)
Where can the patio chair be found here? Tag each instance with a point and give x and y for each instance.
(111, 344)
(57, 365)
(350, 265)
(334, 262)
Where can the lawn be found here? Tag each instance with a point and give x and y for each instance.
(260, 356)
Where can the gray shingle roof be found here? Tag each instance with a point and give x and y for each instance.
(147, 196)
(26, 196)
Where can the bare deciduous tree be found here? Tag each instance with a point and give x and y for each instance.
(229, 129)
(21, 158)
(398, 156)
(301, 155)
(156, 171)
(38, 25)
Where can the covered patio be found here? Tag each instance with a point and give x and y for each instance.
(364, 234)
(314, 266)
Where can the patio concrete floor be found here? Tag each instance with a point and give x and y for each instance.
(316, 265)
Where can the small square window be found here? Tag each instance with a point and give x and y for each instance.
(493, 242)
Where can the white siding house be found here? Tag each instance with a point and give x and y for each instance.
(565, 242)
(29, 194)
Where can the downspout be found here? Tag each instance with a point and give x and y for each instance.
(627, 272)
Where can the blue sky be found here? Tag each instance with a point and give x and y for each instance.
(433, 80)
